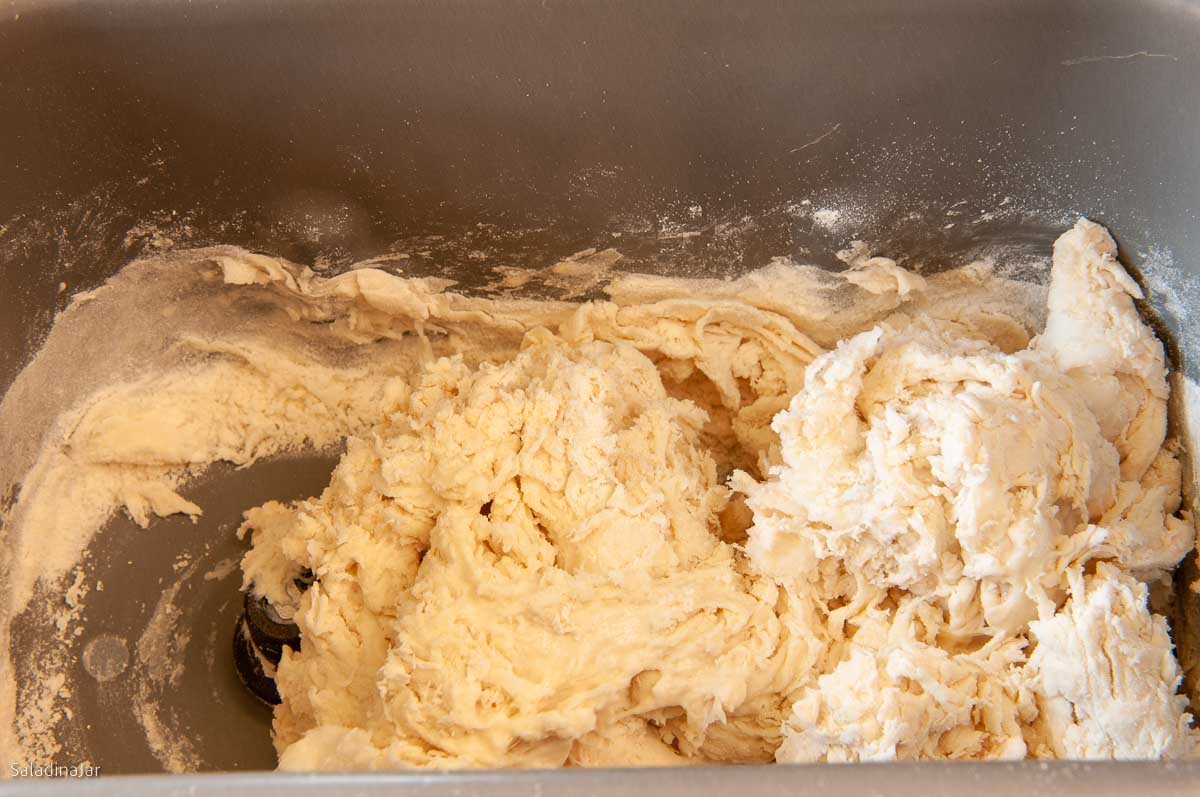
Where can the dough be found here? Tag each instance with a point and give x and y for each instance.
(522, 556)
(1104, 676)
(961, 491)
(529, 563)
(796, 516)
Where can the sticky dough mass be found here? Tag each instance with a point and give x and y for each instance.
(682, 531)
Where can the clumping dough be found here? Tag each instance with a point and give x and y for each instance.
(1103, 675)
(796, 516)
(519, 559)
(538, 562)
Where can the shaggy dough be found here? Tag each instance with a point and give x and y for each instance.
(521, 557)
(795, 516)
(537, 561)
(962, 491)
(1104, 676)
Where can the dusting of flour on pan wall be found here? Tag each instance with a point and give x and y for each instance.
(796, 516)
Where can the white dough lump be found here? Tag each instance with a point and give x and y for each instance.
(933, 543)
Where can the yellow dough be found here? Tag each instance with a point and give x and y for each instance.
(537, 561)
(794, 516)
